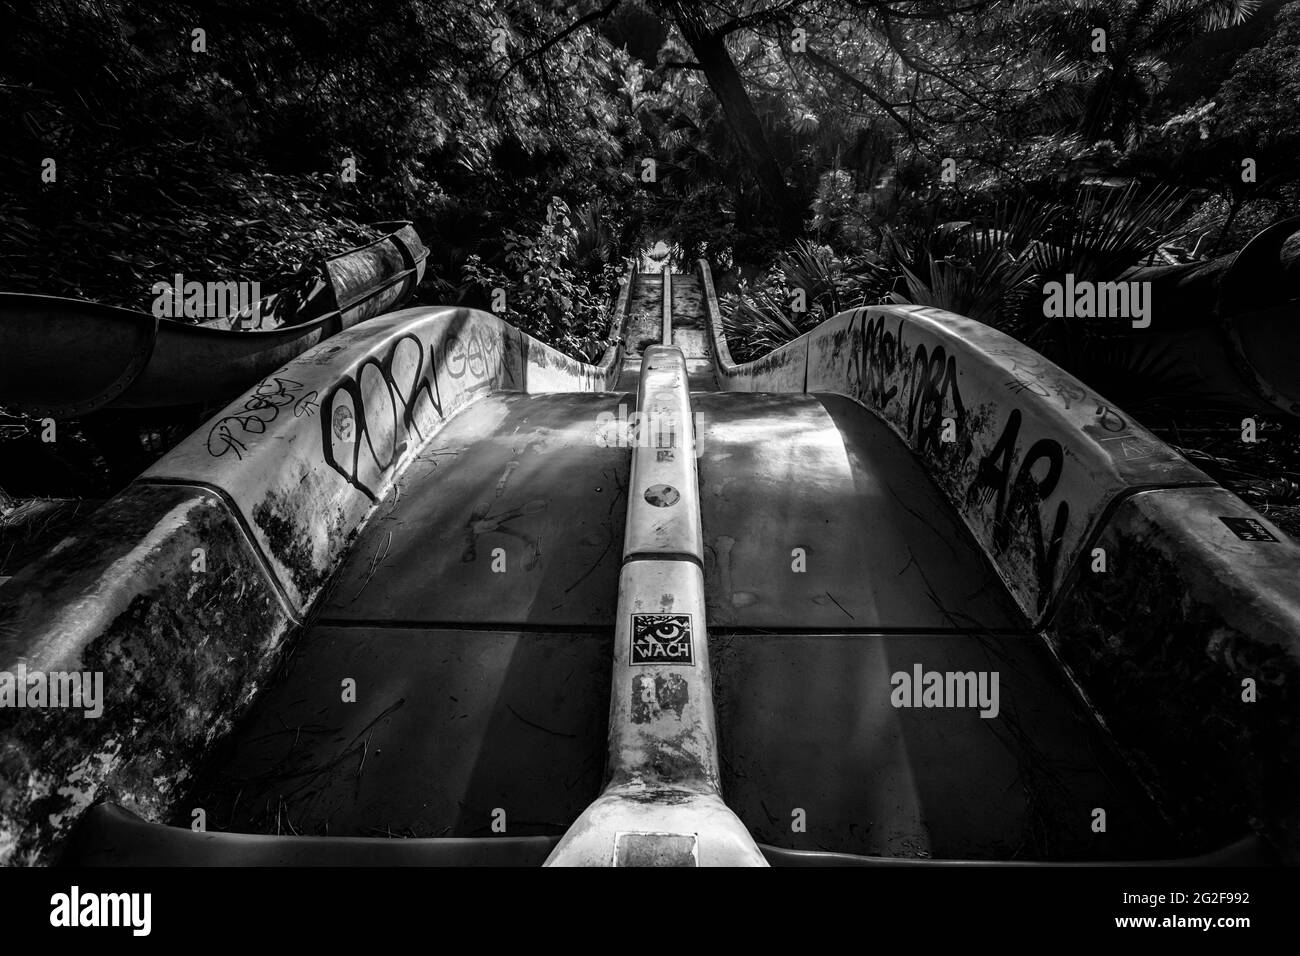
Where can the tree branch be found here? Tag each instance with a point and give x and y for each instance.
(845, 76)
(576, 25)
(757, 19)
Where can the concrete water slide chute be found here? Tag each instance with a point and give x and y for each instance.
(901, 592)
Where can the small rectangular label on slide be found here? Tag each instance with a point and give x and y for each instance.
(662, 639)
(1249, 529)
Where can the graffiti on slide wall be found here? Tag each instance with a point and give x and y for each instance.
(370, 416)
(917, 386)
(1013, 480)
(231, 434)
(395, 400)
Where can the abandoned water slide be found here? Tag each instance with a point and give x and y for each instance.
(61, 358)
(900, 593)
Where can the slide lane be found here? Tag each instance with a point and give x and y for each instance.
(276, 493)
(833, 564)
(983, 556)
(475, 612)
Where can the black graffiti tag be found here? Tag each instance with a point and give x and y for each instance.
(933, 379)
(370, 418)
(232, 432)
(882, 350)
(1017, 503)
(476, 353)
(929, 382)
(929, 387)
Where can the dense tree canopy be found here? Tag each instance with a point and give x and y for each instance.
(957, 153)
(212, 135)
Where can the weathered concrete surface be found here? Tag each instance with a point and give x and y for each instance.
(663, 761)
(662, 733)
(299, 461)
(1043, 470)
(640, 305)
(722, 360)
(645, 314)
(805, 722)
(661, 805)
(879, 547)
(161, 594)
(663, 508)
(690, 327)
(622, 812)
(448, 726)
(784, 370)
(1162, 641)
(512, 514)
(307, 453)
(546, 370)
(1034, 456)
(1028, 455)
(666, 310)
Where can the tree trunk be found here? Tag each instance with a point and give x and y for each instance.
(724, 80)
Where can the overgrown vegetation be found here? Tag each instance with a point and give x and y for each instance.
(228, 155)
(822, 154)
(769, 122)
(557, 279)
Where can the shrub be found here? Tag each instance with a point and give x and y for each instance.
(547, 294)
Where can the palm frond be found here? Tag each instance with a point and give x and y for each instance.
(1105, 230)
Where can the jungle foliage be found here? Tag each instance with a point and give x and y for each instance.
(832, 137)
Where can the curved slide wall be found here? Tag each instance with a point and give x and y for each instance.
(1028, 455)
(65, 357)
(1174, 606)
(230, 537)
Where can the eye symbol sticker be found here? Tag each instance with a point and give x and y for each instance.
(662, 639)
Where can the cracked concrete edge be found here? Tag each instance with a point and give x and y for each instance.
(1187, 643)
(722, 361)
(717, 836)
(666, 316)
(612, 356)
(161, 595)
